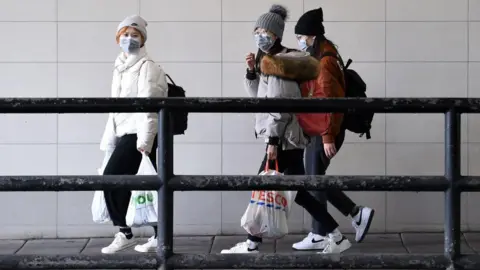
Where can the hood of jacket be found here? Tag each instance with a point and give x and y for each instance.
(296, 65)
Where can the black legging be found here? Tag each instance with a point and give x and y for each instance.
(290, 162)
(316, 153)
(125, 160)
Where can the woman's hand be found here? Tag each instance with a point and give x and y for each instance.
(271, 152)
(250, 60)
(330, 150)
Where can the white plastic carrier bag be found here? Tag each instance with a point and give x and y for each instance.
(143, 207)
(99, 207)
(267, 213)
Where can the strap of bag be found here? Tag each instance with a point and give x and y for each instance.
(339, 58)
(268, 163)
(336, 56)
(168, 76)
(170, 79)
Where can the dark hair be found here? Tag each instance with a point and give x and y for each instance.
(276, 48)
(315, 49)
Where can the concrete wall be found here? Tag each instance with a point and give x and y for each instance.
(66, 48)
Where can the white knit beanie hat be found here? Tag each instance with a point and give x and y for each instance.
(137, 22)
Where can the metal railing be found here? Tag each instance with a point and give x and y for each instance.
(452, 183)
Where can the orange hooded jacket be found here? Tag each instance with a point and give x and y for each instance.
(329, 84)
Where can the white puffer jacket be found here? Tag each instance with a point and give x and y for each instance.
(135, 76)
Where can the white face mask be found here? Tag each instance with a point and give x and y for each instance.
(303, 44)
(264, 42)
(129, 44)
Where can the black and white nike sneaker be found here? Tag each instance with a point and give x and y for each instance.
(311, 242)
(361, 222)
(242, 247)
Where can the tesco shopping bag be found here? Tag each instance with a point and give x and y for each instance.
(267, 213)
(99, 207)
(143, 207)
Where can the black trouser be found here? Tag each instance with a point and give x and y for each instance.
(125, 160)
(290, 162)
(315, 152)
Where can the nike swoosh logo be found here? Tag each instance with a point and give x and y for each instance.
(339, 242)
(360, 219)
(251, 249)
(317, 241)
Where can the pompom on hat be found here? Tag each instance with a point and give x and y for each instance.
(273, 20)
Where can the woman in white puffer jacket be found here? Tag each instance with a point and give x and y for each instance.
(128, 135)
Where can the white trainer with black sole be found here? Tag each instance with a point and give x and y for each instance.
(242, 247)
(120, 242)
(149, 246)
(336, 247)
(311, 242)
(361, 222)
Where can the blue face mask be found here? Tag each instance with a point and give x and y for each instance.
(264, 42)
(302, 44)
(129, 45)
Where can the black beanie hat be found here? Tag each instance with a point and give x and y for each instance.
(310, 23)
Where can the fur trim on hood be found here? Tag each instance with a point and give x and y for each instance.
(297, 66)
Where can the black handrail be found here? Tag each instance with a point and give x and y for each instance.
(452, 183)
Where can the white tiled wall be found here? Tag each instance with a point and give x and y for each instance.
(66, 48)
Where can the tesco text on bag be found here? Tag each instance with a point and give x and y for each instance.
(272, 199)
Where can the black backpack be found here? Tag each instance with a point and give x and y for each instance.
(356, 122)
(179, 119)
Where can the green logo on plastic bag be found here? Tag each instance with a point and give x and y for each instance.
(141, 199)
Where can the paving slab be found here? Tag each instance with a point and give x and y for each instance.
(95, 245)
(374, 243)
(226, 242)
(377, 243)
(432, 243)
(53, 246)
(10, 246)
(192, 244)
(473, 240)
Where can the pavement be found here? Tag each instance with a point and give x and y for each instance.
(374, 243)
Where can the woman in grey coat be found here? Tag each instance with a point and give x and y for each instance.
(276, 72)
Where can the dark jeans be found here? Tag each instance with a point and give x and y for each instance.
(316, 163)
(290, 162)
(125, 160)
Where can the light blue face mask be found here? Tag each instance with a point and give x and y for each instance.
(302, 44)
(129, 45)
(264, 42)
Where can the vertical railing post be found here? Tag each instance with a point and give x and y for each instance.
(165, 194)
(452, 194)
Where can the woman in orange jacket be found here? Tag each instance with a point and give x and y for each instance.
(330, 83)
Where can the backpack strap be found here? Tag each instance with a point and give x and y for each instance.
(339, 58)
(170, 79)
(166, 75)
(336, 56)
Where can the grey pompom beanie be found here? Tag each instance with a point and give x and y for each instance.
(273, 20)
(136, 22)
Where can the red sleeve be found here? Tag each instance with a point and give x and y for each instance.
(329, 83)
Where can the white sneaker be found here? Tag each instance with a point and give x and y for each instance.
(336, 247)
(311, 242)
(242, 247)
(361, 222)
(120, 242)
(150, 246)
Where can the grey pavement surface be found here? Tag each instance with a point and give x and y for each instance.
(374, 243)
